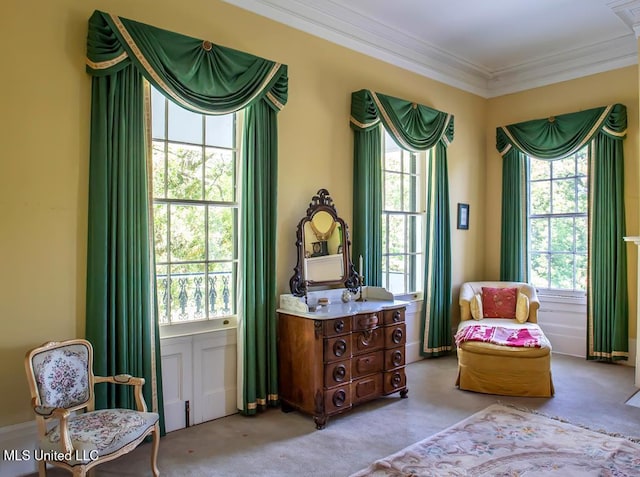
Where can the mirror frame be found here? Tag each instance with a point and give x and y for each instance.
(322, 201)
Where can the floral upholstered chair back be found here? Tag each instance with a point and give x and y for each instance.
(62, 375)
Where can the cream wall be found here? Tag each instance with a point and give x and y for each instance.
(44, 162)
(617, 86)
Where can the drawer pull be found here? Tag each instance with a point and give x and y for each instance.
(339, 372)
(396, 316)
(397, 335)
(368, 322)
(396, 380)
(339, 398)
(338, 326)
(396, 358)
(339, 348)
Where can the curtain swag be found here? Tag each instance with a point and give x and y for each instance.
(195, 74)
(121, 318)
(414, 127)
(602, 130)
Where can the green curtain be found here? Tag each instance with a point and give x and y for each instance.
(203, 78)
(414, 127)
(514, 245)
(603, 129)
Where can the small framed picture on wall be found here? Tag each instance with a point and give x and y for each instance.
(463, 216)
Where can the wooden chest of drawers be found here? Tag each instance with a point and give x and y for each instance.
(329, 365)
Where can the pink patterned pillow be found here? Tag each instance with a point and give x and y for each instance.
(499, 302)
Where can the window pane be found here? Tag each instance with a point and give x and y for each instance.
(393, 161)
(390, 147)
(158, 110)
(184, 126)
(184, 179)
(187, 232)
(562, 271)
(219, 130)
(540, 197)
(162, 283)
(396, 233)
(564, 167)
(415, 244)
(187, 292)
(539, 169)
(221, 289)
(582, 194)
(581, 234)
(564, 196)
(539, 234)
(411, 202)
(540, 270)
(561, 234)
(392, 191)
(581, 272)
(220, 177)
(160, 217)
(158, 166)
(582, 162)
(222, 223)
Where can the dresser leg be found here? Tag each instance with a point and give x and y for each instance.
(320, 421)
(404, 392)
(285, 407)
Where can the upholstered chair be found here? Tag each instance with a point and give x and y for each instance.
(72, 434)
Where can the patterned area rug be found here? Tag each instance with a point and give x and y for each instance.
(503, 441)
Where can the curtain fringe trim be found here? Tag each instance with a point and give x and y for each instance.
(364, 125)
(103, 65)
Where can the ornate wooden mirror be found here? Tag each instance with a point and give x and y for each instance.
(323, 244)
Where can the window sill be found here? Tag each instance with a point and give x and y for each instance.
(198, 327)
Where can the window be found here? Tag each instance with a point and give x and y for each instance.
(558, 222)
(195, 206)
(403, 215)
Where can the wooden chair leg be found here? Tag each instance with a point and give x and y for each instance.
(154, 451)
(42, 468)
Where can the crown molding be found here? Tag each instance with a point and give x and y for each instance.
(336, 23)
(629, 12)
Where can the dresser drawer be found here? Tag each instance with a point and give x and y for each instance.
(365, 321)
(394, 358)
(367, 364)
(394, 380)
(337, 399)
(337, 373)
(366, 341)
(366, 388)
(335, 327)
(393, 316)
(395, 335)
(337, 348)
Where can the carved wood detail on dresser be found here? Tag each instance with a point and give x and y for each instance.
(329, 365)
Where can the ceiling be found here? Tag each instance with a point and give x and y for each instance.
(488, 47)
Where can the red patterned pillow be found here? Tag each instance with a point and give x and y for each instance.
(499, 302)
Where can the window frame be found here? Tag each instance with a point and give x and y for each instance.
(414, 239)
(550, 292)
(208, 322)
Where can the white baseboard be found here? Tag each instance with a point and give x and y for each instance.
(17, 444)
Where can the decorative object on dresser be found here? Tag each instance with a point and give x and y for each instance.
(341, 355)
(323, 249)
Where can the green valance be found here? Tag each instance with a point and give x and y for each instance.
(561, 136)
(413, 126)
(195, 74)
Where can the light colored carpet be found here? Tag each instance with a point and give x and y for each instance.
(275, 444)
(501, 440)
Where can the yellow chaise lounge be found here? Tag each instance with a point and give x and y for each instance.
(498, 369)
